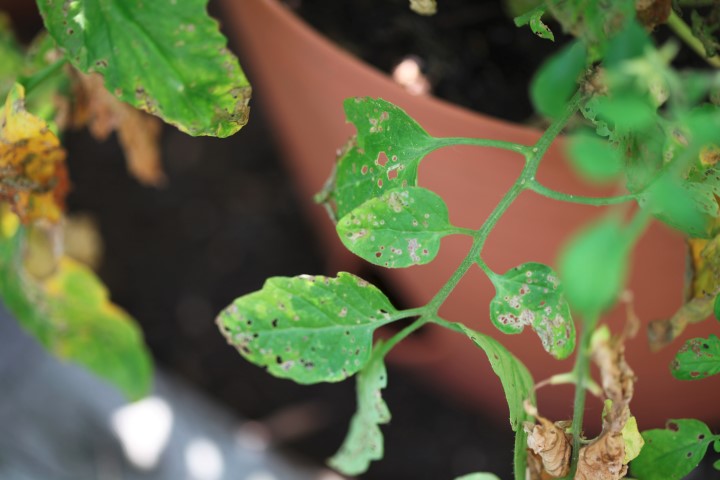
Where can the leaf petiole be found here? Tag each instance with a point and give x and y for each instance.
(536, 187)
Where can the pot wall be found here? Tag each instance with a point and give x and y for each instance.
(303, 80)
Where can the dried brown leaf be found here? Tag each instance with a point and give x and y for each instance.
(138, 132)
(603, 458)
(550, 443)
(652, 13)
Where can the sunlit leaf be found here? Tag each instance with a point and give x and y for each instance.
(594, 158)
(556, 81)
(531, 294)
(33, 175)
(308, 329)
(698, 358)
(384, 154)
(165, 57)
(672, 453)
(70, 314)
(593, 266)
(364, 442)
(403, 227)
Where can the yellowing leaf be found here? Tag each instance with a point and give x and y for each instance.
(70, 314)
(33, 176)
(633, 440)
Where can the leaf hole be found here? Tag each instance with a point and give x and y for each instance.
(274, 323)
(673, 426)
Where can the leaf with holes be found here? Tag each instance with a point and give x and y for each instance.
(698, 358)
(403, 227)
(70, 314)
(531, 294)
(166, 57)
(672, 453)
(364, 441)
(308, 329)
(384, 154)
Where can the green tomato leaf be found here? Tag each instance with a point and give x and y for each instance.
(716, 465)
(594, 158)
(592, 20)
(70, 314)
(479, 476)
(308, 329)
(593, 266)
(384, 154)
(681, 205)
(672, 453)
(556, 81)
(364, 441)
(698, 358)
(531, 294)
(403, 227)
(626, 111)
(516, 380)
(165, 57)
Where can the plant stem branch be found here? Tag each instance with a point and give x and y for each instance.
(683, 31)
(582, 372)
(482, 142)
(567, 197)
(402, 334)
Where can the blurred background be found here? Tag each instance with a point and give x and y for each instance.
(227, 219)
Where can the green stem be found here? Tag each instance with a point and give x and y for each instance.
(31, 82)
(402, 334)
(567, 197)
(685, 33)
(481, 142)
(582, 372)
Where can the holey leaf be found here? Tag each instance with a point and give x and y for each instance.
(308, 329)
(403, 227)
(70, 314)
(531, 294)
(698, 358)
(672, 453)
(364, 441)
(166, 57)
(384, 154)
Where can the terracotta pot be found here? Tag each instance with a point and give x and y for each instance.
(303, 79)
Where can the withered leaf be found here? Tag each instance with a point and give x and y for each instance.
(138, 132)
(603, 458)
(33, 175)
(652, 13)
(548, 441)
(702, 287)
